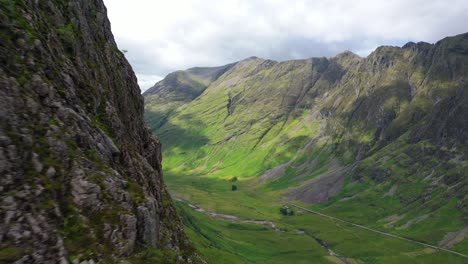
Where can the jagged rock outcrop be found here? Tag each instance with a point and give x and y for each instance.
(81, 175)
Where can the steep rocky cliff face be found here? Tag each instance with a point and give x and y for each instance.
(80, 173)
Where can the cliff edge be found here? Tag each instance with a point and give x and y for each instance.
(80, 173)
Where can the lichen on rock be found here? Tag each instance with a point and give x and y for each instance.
(81, 177)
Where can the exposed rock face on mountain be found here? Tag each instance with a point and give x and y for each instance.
(388, 131)
(80, 173)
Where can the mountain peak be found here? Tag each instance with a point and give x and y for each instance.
(252, 58)
(347, 53)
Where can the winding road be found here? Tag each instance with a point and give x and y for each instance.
(379, 232)
(272, 225)
(266, 223)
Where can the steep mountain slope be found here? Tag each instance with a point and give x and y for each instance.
(380, 140)
(80, 173)
(179, 88)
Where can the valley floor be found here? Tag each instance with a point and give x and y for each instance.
(246, 226)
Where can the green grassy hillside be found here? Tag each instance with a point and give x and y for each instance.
(379, 141)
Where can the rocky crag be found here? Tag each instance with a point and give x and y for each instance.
(81, 175)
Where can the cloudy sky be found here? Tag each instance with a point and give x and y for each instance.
(162, 36)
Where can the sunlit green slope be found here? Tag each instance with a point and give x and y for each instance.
(380, 141)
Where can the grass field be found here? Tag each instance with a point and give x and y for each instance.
(222, 241)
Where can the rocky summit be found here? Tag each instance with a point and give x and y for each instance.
(81, 178)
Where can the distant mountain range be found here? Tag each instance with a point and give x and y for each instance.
(386, 135)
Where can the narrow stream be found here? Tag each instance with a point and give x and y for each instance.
(266, 223)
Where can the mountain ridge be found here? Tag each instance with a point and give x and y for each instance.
(340, 131)
(409, 44)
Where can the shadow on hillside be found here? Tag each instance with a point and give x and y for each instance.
(171, 134)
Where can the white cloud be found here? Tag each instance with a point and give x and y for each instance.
(146, 81)
(163, 36)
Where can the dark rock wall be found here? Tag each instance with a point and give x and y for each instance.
(80, 174)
